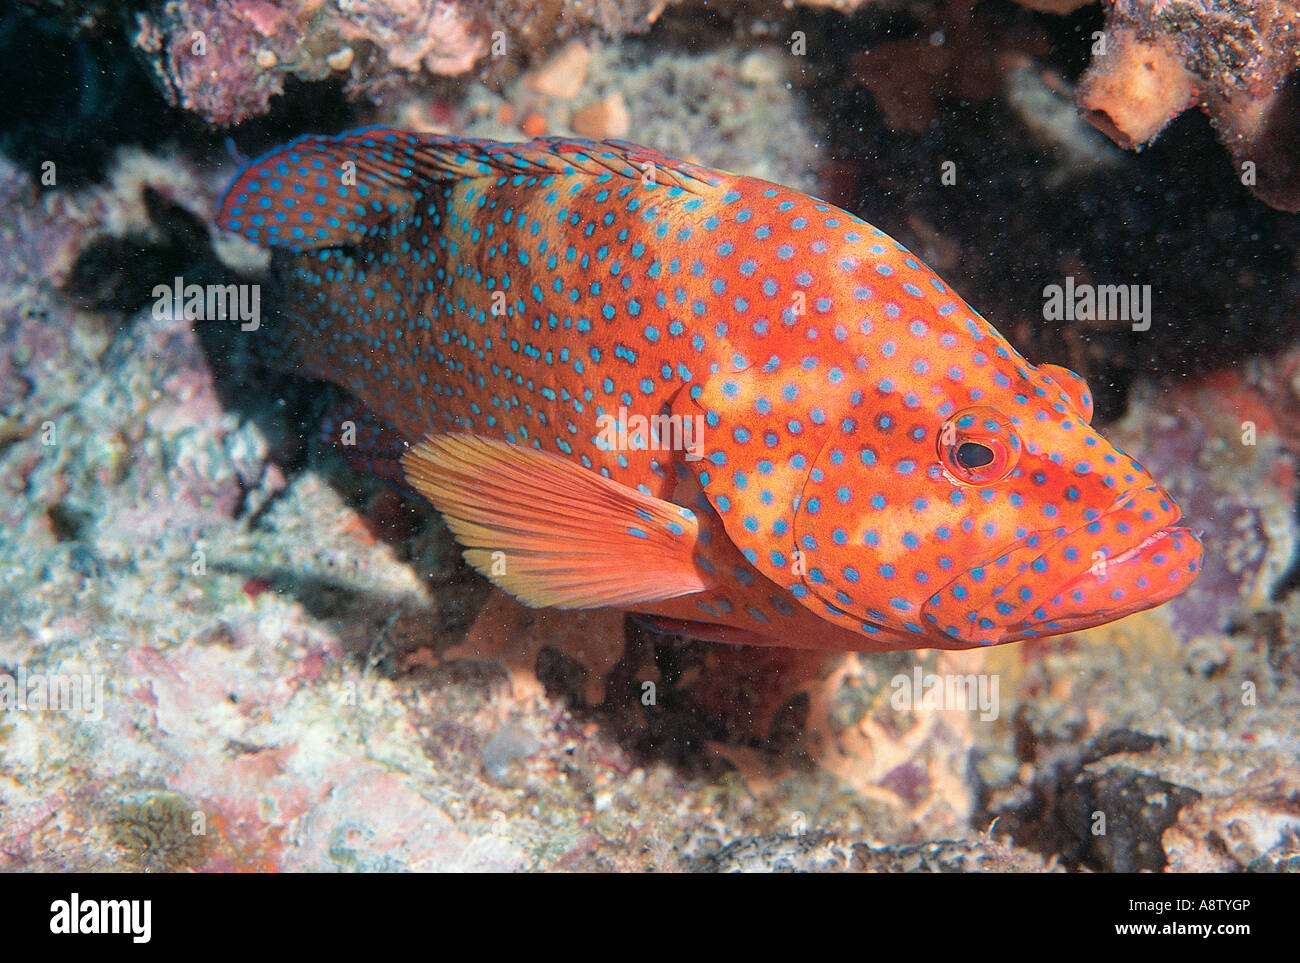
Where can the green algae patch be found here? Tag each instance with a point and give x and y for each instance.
(160, 832)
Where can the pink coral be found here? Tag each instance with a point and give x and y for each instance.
(226, 59)
(445, 36)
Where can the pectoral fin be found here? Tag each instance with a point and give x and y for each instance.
(551, 532)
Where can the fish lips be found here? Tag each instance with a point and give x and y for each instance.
(1150, 573)
(1134, 556)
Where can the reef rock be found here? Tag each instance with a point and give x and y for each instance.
(1237, 61)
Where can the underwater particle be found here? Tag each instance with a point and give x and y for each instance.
(157, 832)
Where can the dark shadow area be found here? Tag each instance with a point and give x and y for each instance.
(75, 94)
(1175, 216)
(72, 98)
(684, 701)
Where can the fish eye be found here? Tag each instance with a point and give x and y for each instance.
(972, 455)
(978, 446)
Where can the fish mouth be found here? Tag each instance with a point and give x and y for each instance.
(1150, 573)
(1132, 557)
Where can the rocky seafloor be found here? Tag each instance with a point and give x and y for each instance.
(288, 666)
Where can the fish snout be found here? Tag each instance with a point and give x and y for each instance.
(1131, 557)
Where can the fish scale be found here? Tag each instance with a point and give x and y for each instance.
(875, 467)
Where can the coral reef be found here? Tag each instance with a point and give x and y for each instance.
(226, 61)
(821, 852)
(158, 832)
(288, 667)
(1220, 448)
(1238, 61)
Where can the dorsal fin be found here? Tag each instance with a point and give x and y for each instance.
(323, 191)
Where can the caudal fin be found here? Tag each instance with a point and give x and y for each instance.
(321, 191)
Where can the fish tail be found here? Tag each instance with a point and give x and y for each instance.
(331, 208)
(322, 191)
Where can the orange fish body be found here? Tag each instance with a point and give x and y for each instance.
(627, 380)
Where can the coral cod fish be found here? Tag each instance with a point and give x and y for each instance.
(628, 380)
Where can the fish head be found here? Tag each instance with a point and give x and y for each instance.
(968, 501)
